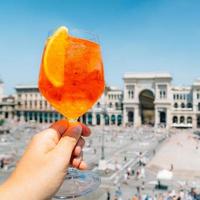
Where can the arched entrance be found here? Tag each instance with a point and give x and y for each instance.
(130, 118)
(119, 120)
(147, 110)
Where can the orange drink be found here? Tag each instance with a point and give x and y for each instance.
(71, 74)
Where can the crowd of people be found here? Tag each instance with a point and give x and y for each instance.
(192, 194)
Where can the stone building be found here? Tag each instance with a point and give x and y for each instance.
(150, 98)
(147, 98)
(31, 106)
(7, 107)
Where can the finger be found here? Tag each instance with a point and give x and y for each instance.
(69, 140)
(76, 161)
(83, 165)
(60, 127)
(85, 130)
(78, 147)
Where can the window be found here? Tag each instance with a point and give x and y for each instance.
(130, 117)
(182, 119)
(175, 119)
(130, 91)
(189, 120)
(46, 104)
(40, 104)
(160, 94)
(174, 96)
(110, 105)
(98, 105)
(176, 105)
(182, 105)
(198, 106)
(164, 94)
(130, 94)
(189, 105)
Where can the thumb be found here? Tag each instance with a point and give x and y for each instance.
(68, 140)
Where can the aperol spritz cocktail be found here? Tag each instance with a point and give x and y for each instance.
(71, 76)
(72, 79)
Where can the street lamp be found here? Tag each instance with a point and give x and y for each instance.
(104, 113)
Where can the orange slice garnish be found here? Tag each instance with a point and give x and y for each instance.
(54, 56)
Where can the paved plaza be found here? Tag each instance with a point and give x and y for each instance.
(142, 152)
(182, 152)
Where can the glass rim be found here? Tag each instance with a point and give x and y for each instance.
(76, 32)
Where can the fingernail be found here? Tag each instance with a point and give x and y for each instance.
(77, 129)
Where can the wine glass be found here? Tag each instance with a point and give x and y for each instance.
(72, 79)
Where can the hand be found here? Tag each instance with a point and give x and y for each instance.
(42, 168)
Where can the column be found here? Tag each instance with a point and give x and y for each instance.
(116, 121)
(102, 119)
(53, 116)
(43, 117)
(48, 117)
(125, 118)
(137, 117)
(169, 119)
(156, 117)
(94, 121)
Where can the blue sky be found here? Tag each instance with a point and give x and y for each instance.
(135, 35)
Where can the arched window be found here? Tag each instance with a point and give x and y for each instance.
(182, 105)
(89, 118)
(110, 105)
(130, 116)
(198, 122)
(189, 105)
(119, 120)
(132, 94)
(189, 120)
(198, 106)
(175, 119)
(98, 119)
(25, 116)
(175, 105)
(182, 119)
(98, 105)
(113, 119)
(129, 94)
(116, 105)
(35, 115)
(106, 118)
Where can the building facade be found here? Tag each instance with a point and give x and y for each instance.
(147, 98)
(30, 105)
(150, 98)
